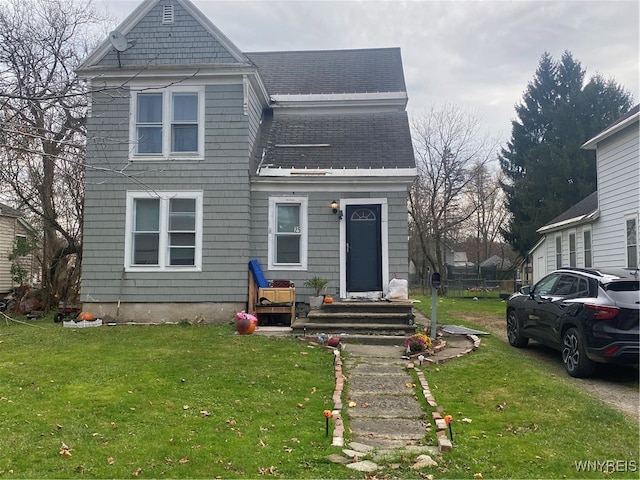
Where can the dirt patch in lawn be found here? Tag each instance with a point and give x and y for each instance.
(615, 386)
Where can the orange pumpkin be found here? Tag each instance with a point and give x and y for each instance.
(328, 299)
(86, 317)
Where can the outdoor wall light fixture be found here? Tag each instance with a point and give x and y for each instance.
(336, 210)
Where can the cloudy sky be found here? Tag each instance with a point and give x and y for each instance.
(478, 55)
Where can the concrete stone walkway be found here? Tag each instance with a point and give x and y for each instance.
(385, 411)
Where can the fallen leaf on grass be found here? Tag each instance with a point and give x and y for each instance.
(184, 460)
(137, 472)
(110, 461)
(304, 353)
(65, 450)
(477, 475)
(204, 413)
(466, 420)
(267, 471)
(300, 406)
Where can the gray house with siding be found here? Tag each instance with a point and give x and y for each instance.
(202, 157)
(602, 230)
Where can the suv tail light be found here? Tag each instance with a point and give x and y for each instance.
(602, 312)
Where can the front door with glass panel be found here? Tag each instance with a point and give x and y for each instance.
(364, 248)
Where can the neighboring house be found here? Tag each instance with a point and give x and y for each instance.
(13, 228)
(458, 265)
(601, 230)
(202, 157)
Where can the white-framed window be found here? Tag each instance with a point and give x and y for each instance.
(559, 251)
(631, 224)
(167, 123)
(163, 231)
(287, 244)
(572, 249)
(588, 254)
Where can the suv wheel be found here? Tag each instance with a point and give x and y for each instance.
(573, 355)
(514, 334)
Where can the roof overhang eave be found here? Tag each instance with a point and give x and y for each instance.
(571, 222)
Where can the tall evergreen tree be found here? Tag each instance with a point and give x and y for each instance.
(546, 171)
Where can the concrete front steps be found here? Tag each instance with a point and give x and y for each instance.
(366, 322)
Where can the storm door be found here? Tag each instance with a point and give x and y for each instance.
(364, 248)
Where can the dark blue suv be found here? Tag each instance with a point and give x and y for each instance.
(590, 315)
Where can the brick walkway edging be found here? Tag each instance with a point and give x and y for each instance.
(444, 443)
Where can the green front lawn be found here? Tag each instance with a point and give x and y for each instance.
(166, 401)
(201, 402)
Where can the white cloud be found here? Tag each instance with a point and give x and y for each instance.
(477, 54)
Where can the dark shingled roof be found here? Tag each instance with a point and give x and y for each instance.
(583, 207)
(331, 71)
(357, 140)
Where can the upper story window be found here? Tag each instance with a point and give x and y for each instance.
(168, 123)
(287, 247)
(164, 231)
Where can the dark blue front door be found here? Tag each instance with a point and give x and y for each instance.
(364, 248)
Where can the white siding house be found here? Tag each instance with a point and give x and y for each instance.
(602, 230)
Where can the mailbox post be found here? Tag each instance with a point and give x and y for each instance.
(435, 285)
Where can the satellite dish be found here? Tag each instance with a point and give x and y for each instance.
(119, 41)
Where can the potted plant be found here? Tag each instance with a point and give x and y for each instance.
(317, 284)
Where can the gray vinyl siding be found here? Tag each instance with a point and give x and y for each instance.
(618, 196)
(184, 42)
(223, 178)
(254, 113)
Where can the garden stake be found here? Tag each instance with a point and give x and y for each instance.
(448, 419)
(327, 414)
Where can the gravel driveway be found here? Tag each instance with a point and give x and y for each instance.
(618, 387)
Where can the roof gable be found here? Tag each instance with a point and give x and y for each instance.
(632, 116)
(190, 39)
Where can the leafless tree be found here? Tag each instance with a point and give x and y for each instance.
(43, 107)
(486, 199)
(449, 150)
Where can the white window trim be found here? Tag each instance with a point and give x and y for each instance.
(555, 250)
(166, 124)
(162, 266)
(627, 218)
(575, 247)
(303, 202)
(585, 249)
